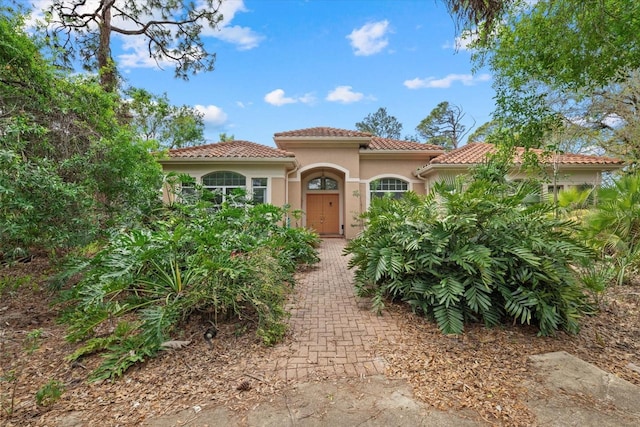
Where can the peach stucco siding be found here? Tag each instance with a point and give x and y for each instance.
(275, 174)
(344, 161)
(347, 162)
(565, 177)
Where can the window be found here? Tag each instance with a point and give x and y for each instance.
(393, 186)
(223, 184)
(259, 190)
(187, 189)
(322, 183)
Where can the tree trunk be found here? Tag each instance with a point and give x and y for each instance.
(106, 67)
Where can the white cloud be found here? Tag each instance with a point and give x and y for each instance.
(276, 97)
(212, 114)
(370, 38)
(243, 37)
(612, 120)
(344, 95)
(463, 41)
(138, 55)
(446, 82)
(307, 98)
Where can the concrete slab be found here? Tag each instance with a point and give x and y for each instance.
(371, 401)
(572, 392)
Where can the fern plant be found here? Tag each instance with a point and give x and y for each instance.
(477, 251)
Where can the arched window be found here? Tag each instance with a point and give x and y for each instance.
(393, 186)
(224, 183)
(322, 183)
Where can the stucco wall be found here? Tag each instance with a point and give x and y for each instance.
(275, 175)
(567, 177)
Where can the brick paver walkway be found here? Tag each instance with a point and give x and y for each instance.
(334, 332)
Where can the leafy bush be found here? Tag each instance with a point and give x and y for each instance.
(37, 208)
(235, 259)
(69, 167)
(49, 393)
(613, 227)
(474, 253)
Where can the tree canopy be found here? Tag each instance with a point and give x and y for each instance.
(156, 119)
(68, 168)
(478, 15)
(482, 133)
(381, 124)
(554, 62)
(171, 30)
(443, 126)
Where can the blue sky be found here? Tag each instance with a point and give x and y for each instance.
(291, 64)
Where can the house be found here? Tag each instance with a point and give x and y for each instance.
(558, 171)
(332, 174)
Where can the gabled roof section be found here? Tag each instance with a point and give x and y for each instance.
(476, 152)
(378, 143)
(322, 132)
(229, 149)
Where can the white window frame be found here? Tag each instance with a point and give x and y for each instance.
(263, 189)
(225, 189)
(394, 191)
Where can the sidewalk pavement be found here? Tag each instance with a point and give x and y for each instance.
(333, 331)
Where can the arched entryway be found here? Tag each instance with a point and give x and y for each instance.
(323, 206)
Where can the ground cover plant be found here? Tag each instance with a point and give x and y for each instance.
(479, 251)
(236, 259)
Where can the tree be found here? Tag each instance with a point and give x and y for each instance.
(483, 132)
(171, 30)
(612, 120)
(68, 169)
(550, 57)
(170, 126)
(381, 124)
(443, 126)
(224, 137)
(483, 15)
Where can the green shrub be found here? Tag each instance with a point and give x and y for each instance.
(476, 252)
(613, 227)
(49, 393)
(229, 260)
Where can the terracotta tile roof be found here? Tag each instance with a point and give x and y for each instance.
(239, 149)
(323, 132)
(378, 143)
(476, 152)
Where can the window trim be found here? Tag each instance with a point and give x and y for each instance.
(223, 190)
(380, 193)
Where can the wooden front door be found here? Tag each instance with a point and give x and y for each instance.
(323, 213)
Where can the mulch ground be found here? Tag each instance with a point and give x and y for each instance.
(484, 371)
